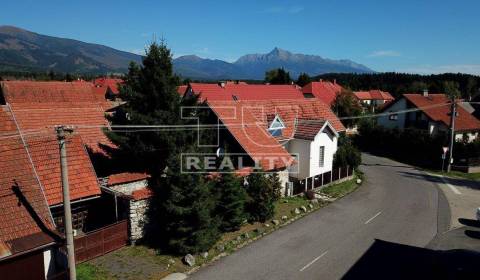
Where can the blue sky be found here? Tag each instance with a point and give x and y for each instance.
(421, 36)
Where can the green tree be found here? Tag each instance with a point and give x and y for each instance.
(278, 77)
(275, 185)
(452, 89)
(182, 211)
(260, 205)
(303, 79)
(347, 154)
(347, 105)
(185, 210)
(232, 200)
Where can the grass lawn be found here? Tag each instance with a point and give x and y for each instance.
(457, 174)
(339, 190)
(141, 262)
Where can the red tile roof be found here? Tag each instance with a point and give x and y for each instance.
(373, 95)
(142, 194)
(45, 154)
(248, 122)
(182, 89)
(254, 139)
(87, 117)
(308, 129)
(464, 121)
(126, 177)
(292, 110)
(49, 92)
(323, 90)
(242, 91)
(18, 220)
(111, 83)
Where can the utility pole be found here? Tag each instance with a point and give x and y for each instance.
(453, 114)
(67, 219)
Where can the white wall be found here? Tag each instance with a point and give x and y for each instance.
(322, 139)
(400, 121)
(47, 262)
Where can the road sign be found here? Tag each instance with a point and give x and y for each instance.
(445, 150)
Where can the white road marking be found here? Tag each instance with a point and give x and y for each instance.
(371, 219)
(455, 190)
(314, 260)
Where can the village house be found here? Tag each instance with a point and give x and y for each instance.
(433, 116)
(324, 90)
(108, 86)
(39, 107)
(231, 91)
(28, 237)
(300, 135)
(373, 98)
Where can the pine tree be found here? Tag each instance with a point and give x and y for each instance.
(260, 205)
(278, 77)
(303, 79)
(275, 185)
(232, 199)
(182, 209)
(186, 211)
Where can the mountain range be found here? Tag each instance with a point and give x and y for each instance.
(22, 50)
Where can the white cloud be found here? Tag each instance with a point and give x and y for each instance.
(384, 53)
(473, 69)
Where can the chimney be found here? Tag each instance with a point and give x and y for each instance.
(222, 84)
(334, 81)
(425, 93)
(321, 80)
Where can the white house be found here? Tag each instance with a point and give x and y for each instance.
(305, 130)
(429, 112)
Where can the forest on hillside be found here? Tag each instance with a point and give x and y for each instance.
(399, 83)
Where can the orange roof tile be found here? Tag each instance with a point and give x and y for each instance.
(243, 91)
(45, 154)
(252, 136)
(126, 177)
(142, 194)
(111, 83)
(323, 90)
(463, 122)
(18, 222)
(373, 95)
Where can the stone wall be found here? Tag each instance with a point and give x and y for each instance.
(137, 218)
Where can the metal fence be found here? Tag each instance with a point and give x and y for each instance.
(320, 180)
(99, 242)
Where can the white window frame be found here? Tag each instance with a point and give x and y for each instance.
(321, 156)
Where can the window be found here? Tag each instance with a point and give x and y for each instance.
(321, 156)
(276, 127)
(393, 117)
(308, 95)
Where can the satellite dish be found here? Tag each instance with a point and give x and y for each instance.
(220, 152)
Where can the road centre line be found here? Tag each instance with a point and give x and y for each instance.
(371, 219)
(312, 262)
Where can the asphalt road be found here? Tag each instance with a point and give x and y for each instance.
(395, 203)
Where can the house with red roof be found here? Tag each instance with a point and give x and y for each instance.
(324, 90)
(108, 86)
(431, 112)
(28, 238)
(295, 138)
(374, 98)
(232, 91)
(37, 107)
